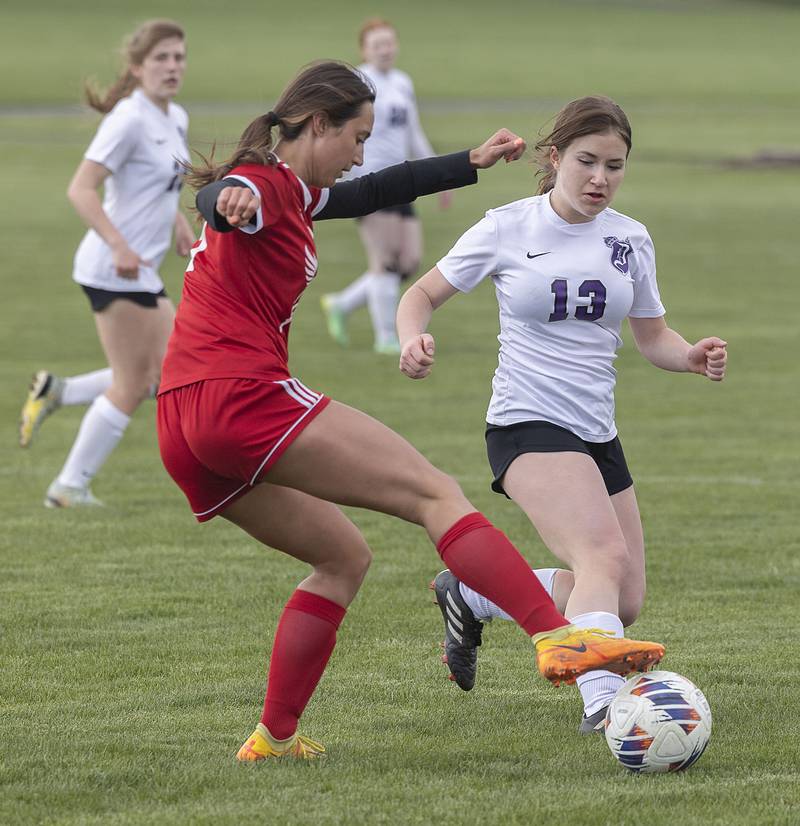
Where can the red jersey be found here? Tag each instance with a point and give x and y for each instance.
(241, 288)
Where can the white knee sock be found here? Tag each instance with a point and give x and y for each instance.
(598, 687)
(100, 431)
(383, 294)
(485, 610)
(85, 388)
(354, 295)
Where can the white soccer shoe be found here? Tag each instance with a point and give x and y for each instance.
(64, 496)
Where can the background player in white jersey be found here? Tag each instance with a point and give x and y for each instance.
(392, 237)
(137, 156)
(567, 269)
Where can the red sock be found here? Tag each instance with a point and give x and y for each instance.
(303, 644)
(483, 558)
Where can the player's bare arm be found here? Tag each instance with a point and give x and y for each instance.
(84, 196)
(667, 349)
(413, 316)
(184, 235)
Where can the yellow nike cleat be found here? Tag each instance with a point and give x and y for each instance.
(565, 653)
(261, 744)
(44, 397)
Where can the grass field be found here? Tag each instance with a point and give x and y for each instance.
(134, 641)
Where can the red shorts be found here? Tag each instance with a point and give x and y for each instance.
(218, 437)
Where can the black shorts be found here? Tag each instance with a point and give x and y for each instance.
(504, 444)
(403, 210)
(100, 299)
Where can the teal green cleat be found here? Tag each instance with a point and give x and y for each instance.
(336, 321)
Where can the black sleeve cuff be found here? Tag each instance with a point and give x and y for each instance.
(206, 201)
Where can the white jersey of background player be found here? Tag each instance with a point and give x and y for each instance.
(567, 269)
(143, 148)
(136, 157)
(392, 237)
(397, 134)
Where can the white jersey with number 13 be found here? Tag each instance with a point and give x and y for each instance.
(563, 291)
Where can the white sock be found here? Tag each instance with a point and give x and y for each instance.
(383, 294)
(486, 611)
(100, 431)
(599, 687)
(85, 388)
(354, 295)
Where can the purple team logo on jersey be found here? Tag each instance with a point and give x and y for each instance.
(620, 250)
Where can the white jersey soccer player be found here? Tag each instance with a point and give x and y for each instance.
(551, 278)
(137, 157)
(567, 269)
(392, 237)
(397, 133)
(144, 149)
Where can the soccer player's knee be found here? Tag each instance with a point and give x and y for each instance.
(432, 489)
(350, 563)
(447, 488)
(630, 606)
(361, 561)
(133, 391)
(391, 265)
(615, 559)
(144, 388)
(407, 265)
(628, 614)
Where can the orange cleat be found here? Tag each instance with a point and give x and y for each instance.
(261, 744)
(565, 653)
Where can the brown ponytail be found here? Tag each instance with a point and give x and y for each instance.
(333, 88)
(585, 116)
(135, 49)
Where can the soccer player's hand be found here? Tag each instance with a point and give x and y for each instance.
(503, 144)
(237, 205)
(709, 357)
(416, 358)
(127, 262)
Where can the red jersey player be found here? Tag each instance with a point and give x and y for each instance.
(246, 440)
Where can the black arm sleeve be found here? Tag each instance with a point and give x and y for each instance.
(397, 185)
(206, 201)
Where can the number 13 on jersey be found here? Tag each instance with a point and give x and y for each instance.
(590, 310)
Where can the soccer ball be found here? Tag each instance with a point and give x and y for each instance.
(658, 722)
